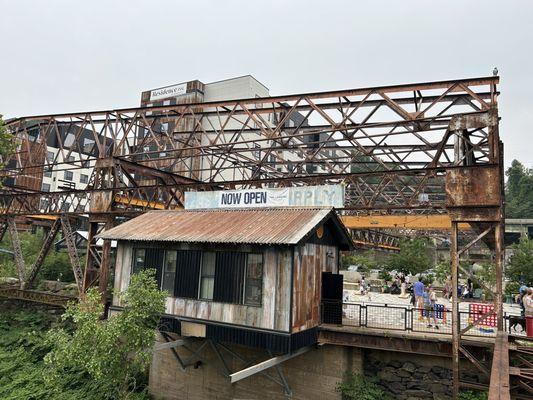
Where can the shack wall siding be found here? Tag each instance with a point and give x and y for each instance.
(273, 314)
(310, 260)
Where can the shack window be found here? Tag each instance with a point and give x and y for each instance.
(207, 278)
(169, 272)
(139, 257)
(253, 289)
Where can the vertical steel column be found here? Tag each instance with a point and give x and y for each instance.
(103, 279)
(499, 251)
(454, 255)
(15, 241)
(91, 256)
(45, 248)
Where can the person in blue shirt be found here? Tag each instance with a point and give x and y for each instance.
(418, 289)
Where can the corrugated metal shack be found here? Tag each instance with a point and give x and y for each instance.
(246, 276)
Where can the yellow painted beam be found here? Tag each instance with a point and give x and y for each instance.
(379, 246)
(140, 203)
(426, 222)
(44, 216)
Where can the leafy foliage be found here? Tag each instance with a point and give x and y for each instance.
(442, 271)
(487, 274)
(56, 265)
(512, 288)
(473, 395)
(366, 261)
(6, 144)
(113, 352)
(358, 387)
(22, 370)
(413, 257)
(519, 191)
(520, 268)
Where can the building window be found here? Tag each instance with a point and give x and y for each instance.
(207, 276)
(50, 156)
(257, 151)
(139, 258)
(84, 178)
(253, 289)
(65, 207)
(69, 175)
(169, 271)
(71, 159)
(48, 172)
(46, 187)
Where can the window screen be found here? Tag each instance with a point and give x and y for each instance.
(187, 273)
(229, 277)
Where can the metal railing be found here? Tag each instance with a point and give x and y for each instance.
(411, 319)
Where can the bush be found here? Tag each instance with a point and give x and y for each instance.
(473, 395)
(359, 387)
(512, 288)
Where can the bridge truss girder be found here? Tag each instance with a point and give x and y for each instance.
(412, 149)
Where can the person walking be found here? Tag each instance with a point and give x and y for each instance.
(432, 303)
(418, 288)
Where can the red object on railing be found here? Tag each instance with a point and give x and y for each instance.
(529, 326)
(476, 311)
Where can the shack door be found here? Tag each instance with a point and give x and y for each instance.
(331, 298)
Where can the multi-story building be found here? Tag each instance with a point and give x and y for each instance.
(71, 172)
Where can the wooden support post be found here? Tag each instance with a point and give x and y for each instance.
(254, 369)
(19, 259)
(455, 310)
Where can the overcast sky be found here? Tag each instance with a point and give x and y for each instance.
(60, 56)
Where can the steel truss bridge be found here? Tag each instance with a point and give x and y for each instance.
(426, 149)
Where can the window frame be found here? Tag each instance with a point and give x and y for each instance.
(246, 277)
(164, 269)
(71, 179)
(202, 276)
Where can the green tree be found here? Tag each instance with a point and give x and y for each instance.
(520, 268)
(519, 191)
(56, 265)
(114, 352)
(6, 143)
(366, 261)
(413, 257)
(487, 274)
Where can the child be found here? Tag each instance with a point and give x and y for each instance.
(433, 302)
(430, 298)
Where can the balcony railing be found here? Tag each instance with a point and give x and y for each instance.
(410, 319)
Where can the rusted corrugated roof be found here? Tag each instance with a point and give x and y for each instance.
(260, 226)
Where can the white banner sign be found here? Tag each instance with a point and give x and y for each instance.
(322, 196)
(169, 91)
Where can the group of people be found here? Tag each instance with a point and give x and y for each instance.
(425, 298)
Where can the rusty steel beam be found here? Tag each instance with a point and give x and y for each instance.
(45, 248)
(72, 252)
(406, 221)
(19, 258)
